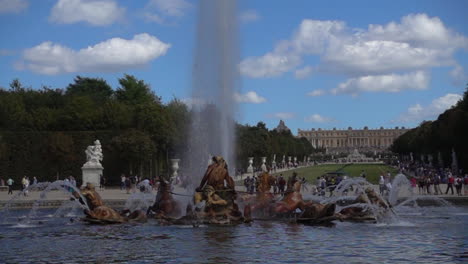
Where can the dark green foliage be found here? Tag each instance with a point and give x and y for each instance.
(257, 141)
(96, 89)
(44, 132)
(135, 92)
(448, 132)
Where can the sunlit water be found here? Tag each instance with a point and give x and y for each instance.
(432, 235)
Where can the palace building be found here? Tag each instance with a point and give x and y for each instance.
(345, 141)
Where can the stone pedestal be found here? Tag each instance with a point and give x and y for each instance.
(91, 173)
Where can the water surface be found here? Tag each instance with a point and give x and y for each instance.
(433, 235)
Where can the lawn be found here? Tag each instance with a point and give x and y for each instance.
(372, 171)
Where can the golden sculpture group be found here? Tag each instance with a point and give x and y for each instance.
(216, 202)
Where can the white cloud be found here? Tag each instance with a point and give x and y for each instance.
(303, 72)
(249, 97)
(414, 44)
(384, 83)
(160, 11)
(318, 92)
(287, 54)
(458, 75)
(282, 115)
(381, 57)
(249, 16)
(269, 65)
(316, 118)
(418, 113)
(314, 36)
(112, 55)
(94, 12)
(13, 6)
(418, 30)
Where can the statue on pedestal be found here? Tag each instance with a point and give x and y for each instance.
(92, 169)
(94, 154)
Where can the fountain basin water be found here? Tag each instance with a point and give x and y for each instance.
(412, 240)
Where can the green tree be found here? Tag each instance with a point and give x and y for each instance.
(134, 92)
(97, 89)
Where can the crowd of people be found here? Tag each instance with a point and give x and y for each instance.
(427, 179)
(279, 185)
(131, 183)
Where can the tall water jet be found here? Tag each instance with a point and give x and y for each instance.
(215, 79)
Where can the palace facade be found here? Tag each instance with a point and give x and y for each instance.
(345, 141)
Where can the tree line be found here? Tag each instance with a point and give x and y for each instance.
(44, 132)
(440, 138)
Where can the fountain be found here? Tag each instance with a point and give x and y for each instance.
(215, 81)
(280, 238)
(45, 188)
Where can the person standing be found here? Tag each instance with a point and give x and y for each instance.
(381, 184)
(281, 184)
(26, 185)
(34, 180)
(122, 182)
(23, 182)
(458, 185)
(247, 184)
(10, 185)
(102, 182)
(450, 182)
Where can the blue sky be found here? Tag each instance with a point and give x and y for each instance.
(313, 64)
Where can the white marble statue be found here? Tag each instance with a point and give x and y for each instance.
(94, 154)
(264, 167)
(92, 169)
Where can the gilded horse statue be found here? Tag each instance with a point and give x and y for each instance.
(165, 206)
(98, 213)
(260, 204)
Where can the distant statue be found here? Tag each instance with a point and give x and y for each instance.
(94, 153)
